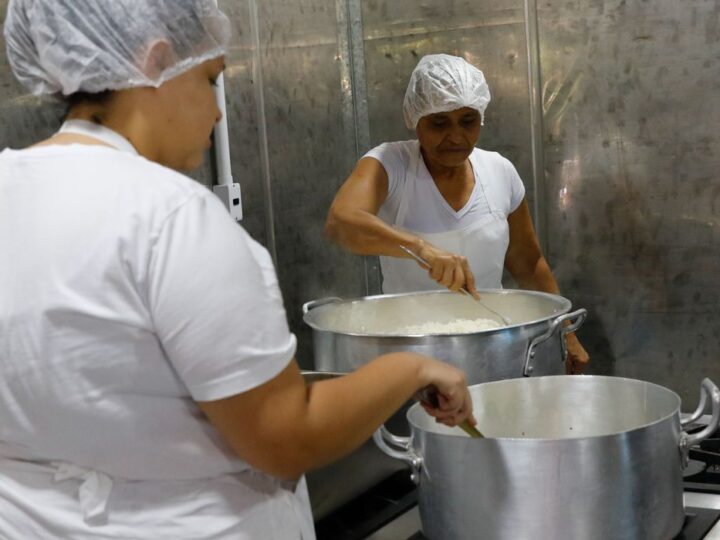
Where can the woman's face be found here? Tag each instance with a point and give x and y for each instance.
(186, 114)
(448, 138)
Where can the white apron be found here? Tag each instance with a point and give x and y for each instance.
(226, 507)
(484, 243)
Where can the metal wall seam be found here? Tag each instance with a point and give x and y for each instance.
(258, 85)
(539, 209)
(346, 75)
(362, 117)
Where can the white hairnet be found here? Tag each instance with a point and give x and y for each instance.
(66, 46)
(441, 83)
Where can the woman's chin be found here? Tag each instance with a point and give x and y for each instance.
(189, 163)
(454, 159)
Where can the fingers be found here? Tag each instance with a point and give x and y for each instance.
(578, 358)
(470, 280)
(450, 270)
(454, 404)
(576, 366)
(453, 417)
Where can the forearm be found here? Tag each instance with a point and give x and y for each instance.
(352, 407)
(542, 279)
(537, 276)
(366, 234)
(286, 428)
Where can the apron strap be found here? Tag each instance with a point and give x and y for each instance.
(413, 169)
(481, 177)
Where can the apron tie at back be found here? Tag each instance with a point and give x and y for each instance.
(94, 492)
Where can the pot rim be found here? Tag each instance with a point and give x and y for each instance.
(665, 418)
(564, 307)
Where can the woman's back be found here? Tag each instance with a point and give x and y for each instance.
(96, 350)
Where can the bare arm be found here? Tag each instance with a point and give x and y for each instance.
(524, 259)
(286, 428)
(352, 220)
(353, 223)
(526, 263)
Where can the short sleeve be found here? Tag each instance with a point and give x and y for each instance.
(394, 160)
(215, 302)
(517, 188)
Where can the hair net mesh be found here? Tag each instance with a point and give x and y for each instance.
(67, 46)
(441, 83)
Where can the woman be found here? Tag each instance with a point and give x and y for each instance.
(460, 208)
(147, 383)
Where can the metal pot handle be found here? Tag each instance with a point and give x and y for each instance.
(399, 448)
(312, 304)
(707, 389)
(579, 315)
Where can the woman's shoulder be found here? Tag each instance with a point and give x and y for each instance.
(394, 153)
(492, 158)
(152, 179)
(496, 162)
(127, 175)
(398, 146)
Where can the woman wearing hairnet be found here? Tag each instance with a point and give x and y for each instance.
(460, 208)
(147, 383)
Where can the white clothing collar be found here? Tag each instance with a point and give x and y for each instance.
(101, 133)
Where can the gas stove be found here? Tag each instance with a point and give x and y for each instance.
(389, 510)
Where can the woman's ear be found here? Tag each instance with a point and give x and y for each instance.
(160, 56)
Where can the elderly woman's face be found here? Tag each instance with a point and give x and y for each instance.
(448, 138)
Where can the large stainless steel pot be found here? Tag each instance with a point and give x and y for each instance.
(349, 333)
(586, 458)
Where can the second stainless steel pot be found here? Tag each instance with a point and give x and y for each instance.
(582, 458)
(350, 333)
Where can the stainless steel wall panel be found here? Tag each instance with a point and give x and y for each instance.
(632, 154)
(243, 125)
(310, 152)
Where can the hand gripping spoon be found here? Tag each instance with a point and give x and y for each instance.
(429, 396)
(422, 261)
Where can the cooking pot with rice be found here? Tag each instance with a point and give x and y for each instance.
(448, 326)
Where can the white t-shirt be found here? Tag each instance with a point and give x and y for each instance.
(428, 211)
(126, 293)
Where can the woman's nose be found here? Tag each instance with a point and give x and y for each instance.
(456, 136)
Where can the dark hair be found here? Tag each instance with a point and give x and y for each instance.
(86, 97)
(92, 98)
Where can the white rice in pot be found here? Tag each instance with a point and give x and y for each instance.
(457, 326)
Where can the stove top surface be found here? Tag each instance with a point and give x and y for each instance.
(698, 522)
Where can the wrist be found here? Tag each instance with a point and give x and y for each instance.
(420, 248)
(422, 371)
(417, 245)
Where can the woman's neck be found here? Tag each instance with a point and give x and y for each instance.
(121, 118)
